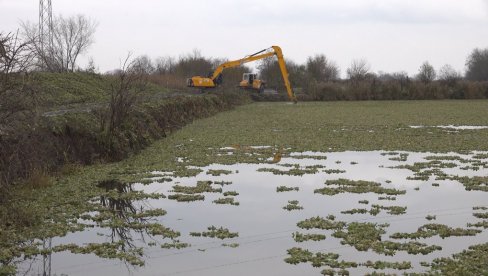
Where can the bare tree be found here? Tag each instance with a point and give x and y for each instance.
(358, 70)
(143, 65)
(71, 37)
(14, 56)
(426, 73)
(449, 75)
(126, 89)
(165, 65)
(321, 69)
(477, 65)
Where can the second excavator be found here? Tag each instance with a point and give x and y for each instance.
(250, 80)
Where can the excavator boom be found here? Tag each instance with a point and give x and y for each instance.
(215, 79)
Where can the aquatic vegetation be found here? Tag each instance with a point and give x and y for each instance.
(435, 184)
(354, 163)
(481, 224)
(390, 153)
(305, 156)
(392, 210)
(480, 208)
(286, 189)
(468, 262)
(299, 237)
(222, 183)
(364, 201)
(201, 187)
(214, 232)
(355, 186)
(298, 255)
(475, 183)
(293, 171)
(321, 223)
(186, 172)
(175, 244)
(389, 265)
(186, 197)
(355, 211)
(430, 230)
(481, 215)
(430, 217)
(292, 205)
(231, 245)
(387, 198)
(333, 171)
(402, 157)
(226, 200)
(230, 193)
(360, 235)
(218, 172)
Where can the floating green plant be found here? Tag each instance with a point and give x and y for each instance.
(364, 201)
(402, 157)
(355, 186)
(230, 193)
(175, 244)
(231, 245)
(333, 171)
(292, 171)
(226, 200)
(201, 187)
(286, 189)
(298, 255)
(222, 183)
(292, 205)
(355, 211)
(388, 265)
(430, 230)
(186, 197)
(387, 198)
(214, 232)
(299, 237)
(321, 223)
(218, 172)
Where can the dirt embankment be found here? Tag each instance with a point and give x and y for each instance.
(76, 137)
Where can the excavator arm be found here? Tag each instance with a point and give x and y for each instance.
(215, 79)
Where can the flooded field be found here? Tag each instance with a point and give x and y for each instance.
(274, 188)
(303, 214)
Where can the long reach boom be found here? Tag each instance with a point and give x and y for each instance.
(216, 78)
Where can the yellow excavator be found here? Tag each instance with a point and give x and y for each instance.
(249, 80)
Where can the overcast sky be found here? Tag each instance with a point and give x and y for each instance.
(392, 35)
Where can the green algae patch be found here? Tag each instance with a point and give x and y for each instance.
(355, 186)
(214, 232)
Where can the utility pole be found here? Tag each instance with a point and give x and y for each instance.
(45, 24)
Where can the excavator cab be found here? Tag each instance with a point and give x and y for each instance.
(251, 81)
